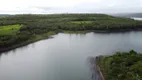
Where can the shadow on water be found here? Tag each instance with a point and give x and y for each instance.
(21, 48)
(0, 56)
(13, 51)
(93, 67)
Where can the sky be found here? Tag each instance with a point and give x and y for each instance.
(69, 6)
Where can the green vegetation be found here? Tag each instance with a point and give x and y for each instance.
(19, 29)
(10, 29)
(71, 22)
(81, 22)
(121, 66)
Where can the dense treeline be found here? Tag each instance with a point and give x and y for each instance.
(33, 25)
(121, 66)
(63, 21)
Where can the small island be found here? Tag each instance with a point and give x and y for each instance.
(19, 30)
(121, 66)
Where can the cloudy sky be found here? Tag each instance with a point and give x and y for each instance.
(69, 6)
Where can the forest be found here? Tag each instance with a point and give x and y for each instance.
(18, 30)
(121, 66)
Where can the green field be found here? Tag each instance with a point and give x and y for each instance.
(82, 22)
(10, 29)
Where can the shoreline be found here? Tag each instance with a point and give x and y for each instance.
(30, 41)
(47, 36)
(98, 69)
(109, 67)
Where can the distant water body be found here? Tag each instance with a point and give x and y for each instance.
(135, 18)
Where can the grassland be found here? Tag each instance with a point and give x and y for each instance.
(82, 22)
(10, 29)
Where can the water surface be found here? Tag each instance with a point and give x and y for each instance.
(135, 18)
(65, 57)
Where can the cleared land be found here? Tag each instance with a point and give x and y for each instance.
(10, 29)
(82, 22)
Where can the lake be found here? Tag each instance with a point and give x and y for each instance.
(135, 18)
(64, 57)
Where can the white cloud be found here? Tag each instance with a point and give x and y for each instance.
(63, 6)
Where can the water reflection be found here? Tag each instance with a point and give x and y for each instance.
(93, 67)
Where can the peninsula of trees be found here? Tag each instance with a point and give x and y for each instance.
(121, 66)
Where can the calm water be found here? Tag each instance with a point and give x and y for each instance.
(135, 18)
(65, 57)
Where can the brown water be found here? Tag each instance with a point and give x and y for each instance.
(65, 57)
